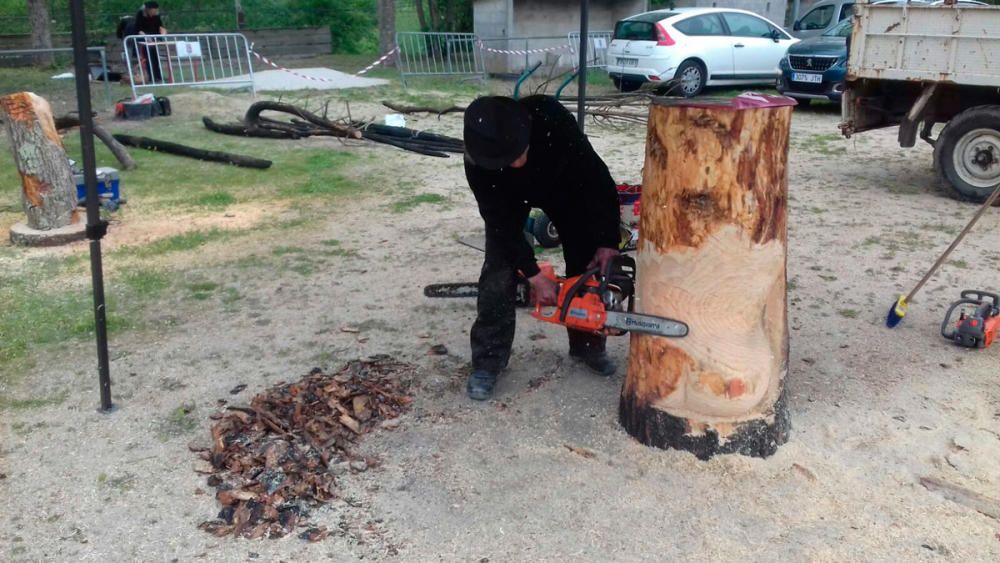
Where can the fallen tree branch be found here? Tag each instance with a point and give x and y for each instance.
(421, 109)
(116, 148)
(242, 131)
(961, 495)
(191, 152)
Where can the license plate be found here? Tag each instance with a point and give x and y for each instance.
(807, 77)
(622, 61)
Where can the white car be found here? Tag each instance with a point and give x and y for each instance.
(685, 49)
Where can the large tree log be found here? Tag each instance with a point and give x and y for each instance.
(47, 188)
(712, 239)
(192, 152)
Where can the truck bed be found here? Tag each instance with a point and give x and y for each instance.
(926, 43)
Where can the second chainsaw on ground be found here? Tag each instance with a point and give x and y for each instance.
(602, 303)
(978, 321)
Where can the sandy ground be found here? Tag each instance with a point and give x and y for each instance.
(873, 410)
(302, 79)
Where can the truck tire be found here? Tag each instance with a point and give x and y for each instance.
(967, 153)
(545, 232)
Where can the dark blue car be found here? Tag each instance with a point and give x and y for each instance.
(814, 69)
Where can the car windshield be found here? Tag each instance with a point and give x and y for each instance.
(842, 29)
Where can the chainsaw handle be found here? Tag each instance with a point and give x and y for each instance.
(980, 295)
(948, 326)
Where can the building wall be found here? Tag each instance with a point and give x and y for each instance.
(540, 24)
(773, 10)
(534, 18)
(491, 18)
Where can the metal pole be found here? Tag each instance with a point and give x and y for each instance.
(96, 228)
(581, 113)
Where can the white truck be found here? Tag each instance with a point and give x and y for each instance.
(916, 66)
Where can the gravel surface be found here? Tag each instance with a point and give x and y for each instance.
(544, 472)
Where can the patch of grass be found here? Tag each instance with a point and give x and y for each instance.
(959, 264)
(320, 174)
(181, 421)
(230, 296)
(413, 202)
(214, 200)
(29, 404)
(177, 243)
(202, 290)
(285, 250)
(825, 144)
(146, 283)
(828, 278)
(848, 313)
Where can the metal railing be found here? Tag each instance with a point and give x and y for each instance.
(100, 50)
(597, 47)
(202, 59)
(438, 54)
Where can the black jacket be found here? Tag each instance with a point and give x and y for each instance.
(564, 177)
(146, 24)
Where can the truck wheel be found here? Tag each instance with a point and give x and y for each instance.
(545, 232)
(967, 153)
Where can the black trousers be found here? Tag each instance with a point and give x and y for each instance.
(492, 334)
(149, 58)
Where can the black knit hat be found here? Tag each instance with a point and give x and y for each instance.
(497, 131)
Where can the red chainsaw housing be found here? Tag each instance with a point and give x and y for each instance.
(587, 312)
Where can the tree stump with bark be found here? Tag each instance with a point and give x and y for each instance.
(712, 247)
(47, 188)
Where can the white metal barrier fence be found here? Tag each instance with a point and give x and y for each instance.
(597, 47)
(188, 59)
(438, 54)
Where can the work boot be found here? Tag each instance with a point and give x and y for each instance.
(481, 384)
(598, 362)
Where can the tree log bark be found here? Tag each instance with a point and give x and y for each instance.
(386, 27)
(47, 189)
(191, 152)
(712, 242)
(41, 29)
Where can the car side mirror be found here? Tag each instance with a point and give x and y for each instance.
(797, 26)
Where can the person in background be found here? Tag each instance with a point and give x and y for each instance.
(148, 22)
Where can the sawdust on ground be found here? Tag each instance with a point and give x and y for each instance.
(873, 410)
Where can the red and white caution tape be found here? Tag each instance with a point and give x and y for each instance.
(381, 60)
(268, 61)
(524, 51)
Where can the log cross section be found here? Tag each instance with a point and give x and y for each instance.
(712, 253)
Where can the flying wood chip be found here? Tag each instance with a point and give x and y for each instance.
(270, 461)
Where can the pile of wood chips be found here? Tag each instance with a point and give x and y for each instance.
(273, 460)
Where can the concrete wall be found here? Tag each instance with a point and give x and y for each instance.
(773, 10)
(545, 22)
(559, 17)
(491, 18)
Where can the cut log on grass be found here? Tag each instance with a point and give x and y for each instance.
(47, 188)
(712, 246)
(191, 152)
(241, 130)
(253, 118)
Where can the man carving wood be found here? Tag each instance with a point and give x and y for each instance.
(522, 154)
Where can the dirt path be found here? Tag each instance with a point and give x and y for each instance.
(873, 410)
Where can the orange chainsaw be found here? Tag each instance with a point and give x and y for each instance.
(603, 303)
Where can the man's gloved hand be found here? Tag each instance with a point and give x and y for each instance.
(544, 291)
(601, 258)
